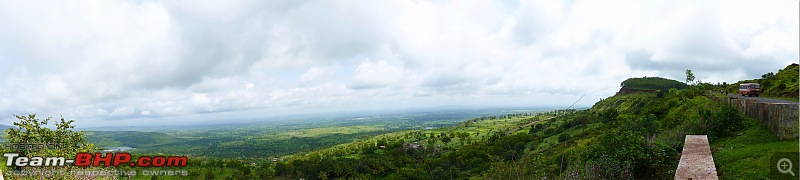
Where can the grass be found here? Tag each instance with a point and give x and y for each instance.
(477, 131)
(747, 156)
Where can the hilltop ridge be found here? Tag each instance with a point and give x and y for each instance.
(649, 84)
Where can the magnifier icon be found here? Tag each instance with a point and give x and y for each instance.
(785, 166)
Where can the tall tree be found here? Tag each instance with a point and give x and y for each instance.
(689, 76)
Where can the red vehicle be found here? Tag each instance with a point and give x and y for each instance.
(750, 89)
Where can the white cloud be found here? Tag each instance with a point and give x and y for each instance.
(318, 74)
(369, 75)
(122, 111)
(101, 112)
(177, 58)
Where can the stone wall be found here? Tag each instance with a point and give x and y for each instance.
(781, 118)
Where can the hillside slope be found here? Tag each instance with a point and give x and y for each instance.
(627, 136)
(783, 84)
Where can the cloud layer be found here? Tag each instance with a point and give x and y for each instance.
(101, 61)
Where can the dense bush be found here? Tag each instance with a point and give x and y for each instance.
(645, 158)
(609, 115)
(563, 137)
(725, 122)
(549, 131)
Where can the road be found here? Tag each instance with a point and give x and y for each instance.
(760, 99)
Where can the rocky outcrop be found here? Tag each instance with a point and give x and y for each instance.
(624, 90)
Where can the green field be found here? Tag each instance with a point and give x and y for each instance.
(279, 138)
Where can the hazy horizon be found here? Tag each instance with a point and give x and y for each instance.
(236, 118)
(103, 62)
(212, 120)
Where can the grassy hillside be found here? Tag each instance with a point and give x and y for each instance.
(783, 84)
(747, 155)
(628, 136)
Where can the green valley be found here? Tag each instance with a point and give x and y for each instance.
(279, 138)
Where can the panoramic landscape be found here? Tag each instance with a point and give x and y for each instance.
(399, 90)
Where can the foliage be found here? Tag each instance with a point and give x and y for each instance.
(563, 137)
(689, 76)
(61, 142)
(627, 104)
(30, 129)
(646, 159)
(725, 122)
(782, 84)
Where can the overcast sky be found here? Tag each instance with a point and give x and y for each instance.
(103, 62)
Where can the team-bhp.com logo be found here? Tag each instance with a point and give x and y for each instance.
(96, 159)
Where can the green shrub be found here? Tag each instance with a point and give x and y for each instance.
(725, 122)
(549, 131)
(563, 137)
(535, 128)
(609, 115)
(646, 157)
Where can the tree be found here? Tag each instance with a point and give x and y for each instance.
(61, 142)
(446, 139)
(32, 130)
(768, 75)
(689, 76)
